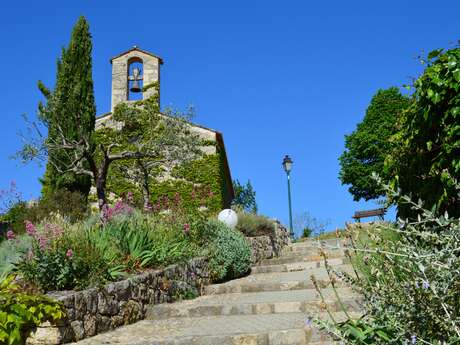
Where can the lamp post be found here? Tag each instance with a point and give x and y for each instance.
(287, 165)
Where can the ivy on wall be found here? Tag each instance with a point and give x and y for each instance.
(200, 183)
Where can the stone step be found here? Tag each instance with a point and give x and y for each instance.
(282, 281)
(312, 248)
(307, 300)
(298, 266)
(300, 257)
(268, 329)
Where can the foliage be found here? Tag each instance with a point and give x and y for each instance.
(138, 133)
(252, 225)
(367, 147)
(245, 196)
(19, 312)
(306, 225)
(61, 258)
(146, 241)
(408, 278)
(307, 232)
(426, 161)
(88, 253)
(230, 254)
(71, 205)
(11, 253)
(70, 111)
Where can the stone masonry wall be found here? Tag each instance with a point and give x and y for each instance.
(97, 310)
(266, 247)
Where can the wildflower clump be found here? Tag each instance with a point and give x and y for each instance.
(408, 274)
(52, 262)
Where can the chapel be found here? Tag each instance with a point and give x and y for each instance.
(132, 73)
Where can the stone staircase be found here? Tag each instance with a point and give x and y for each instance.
(267, 307)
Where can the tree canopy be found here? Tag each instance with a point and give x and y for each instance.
(367, 147)
(70, 110)
(426, 161)
(245, 196)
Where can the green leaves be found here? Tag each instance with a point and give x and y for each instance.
(368, 146)
(427, 142)
(363, 333)
(245, 196)
(19, 312)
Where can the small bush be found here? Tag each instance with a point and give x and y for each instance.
(62, 258)
(70, 205)
(306, 233)
(11, 253)
(252, 225)
(408, 275)
(229, 252)
(69, 256)
(20, 312)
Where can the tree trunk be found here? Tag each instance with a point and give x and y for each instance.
(144, 185)
(100, 180)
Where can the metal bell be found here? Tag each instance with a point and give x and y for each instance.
(135, 79)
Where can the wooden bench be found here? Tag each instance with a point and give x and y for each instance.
(379, 212)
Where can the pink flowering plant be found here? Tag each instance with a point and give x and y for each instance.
(56, 260)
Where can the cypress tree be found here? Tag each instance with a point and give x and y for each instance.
(70, 108)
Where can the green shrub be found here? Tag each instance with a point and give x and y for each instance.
(148, 240)
(19, 312)
(245, 197)
(71, 205)
(229, 252)
(408, 276)
(11, 253)
(89, 253)
(62, 258)
(306, 232)
(252, 225)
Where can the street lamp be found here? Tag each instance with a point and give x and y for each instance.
(287, 165)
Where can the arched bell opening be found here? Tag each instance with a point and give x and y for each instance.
(135, 79)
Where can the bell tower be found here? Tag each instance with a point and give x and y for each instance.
(132, 70)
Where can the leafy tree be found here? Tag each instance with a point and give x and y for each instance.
(70, 110)
(136, 132)
(245, 196)
(426, 162)
(367, 147)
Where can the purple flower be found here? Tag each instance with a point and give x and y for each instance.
(308, 322)
(69, 253)
(10, 235)
(426, 284)
(30, 228)
(413, 339)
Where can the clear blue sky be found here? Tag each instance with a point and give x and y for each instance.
(275, 77)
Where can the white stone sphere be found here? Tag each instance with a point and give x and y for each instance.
(228, 217)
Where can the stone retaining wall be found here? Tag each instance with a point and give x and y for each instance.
(97, 310)
(266, 247)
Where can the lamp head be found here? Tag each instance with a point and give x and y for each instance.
(287, 163)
